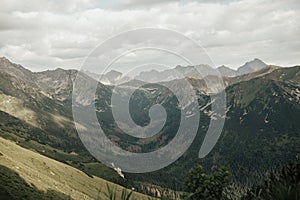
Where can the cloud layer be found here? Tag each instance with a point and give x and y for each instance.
(43, 34)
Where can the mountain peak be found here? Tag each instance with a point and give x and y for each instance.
(113, 73)
(251, 66)
(257, 59)
(5, 60)
(11, 68)
(59, 69)
(226, 71)
(222, 66)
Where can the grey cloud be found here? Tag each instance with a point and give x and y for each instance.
(40, 33)
(67, 6)
(137, 3)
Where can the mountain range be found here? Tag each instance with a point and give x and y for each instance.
(261, 129)
(198, 71)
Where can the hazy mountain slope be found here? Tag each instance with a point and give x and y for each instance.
(251, 66)
(179, 72)
(112, 77)
(44, 174)
(57, 83)
(197, 71)
(226, 71)
(247, 68)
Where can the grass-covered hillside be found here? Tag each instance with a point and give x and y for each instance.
(25, 174)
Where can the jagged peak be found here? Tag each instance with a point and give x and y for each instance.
(58, 69)
(6, 60)
(256, 60)
(3, 58)
(114, 72)
(225, 67)
(9, 65)
(150, 71)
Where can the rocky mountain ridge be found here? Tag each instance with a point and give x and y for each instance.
(262, 110)
(179, 72)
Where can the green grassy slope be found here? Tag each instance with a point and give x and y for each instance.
(25, 174)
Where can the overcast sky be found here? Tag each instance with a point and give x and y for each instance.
(46, 34)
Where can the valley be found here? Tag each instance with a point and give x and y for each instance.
(261, 130)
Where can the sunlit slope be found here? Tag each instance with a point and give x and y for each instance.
(45, 174)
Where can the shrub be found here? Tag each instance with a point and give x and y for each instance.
(200, 185)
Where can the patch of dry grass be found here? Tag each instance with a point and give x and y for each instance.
(47, 174)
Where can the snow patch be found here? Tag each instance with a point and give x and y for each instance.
(266, 119)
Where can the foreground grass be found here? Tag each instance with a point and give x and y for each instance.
(39, 176)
